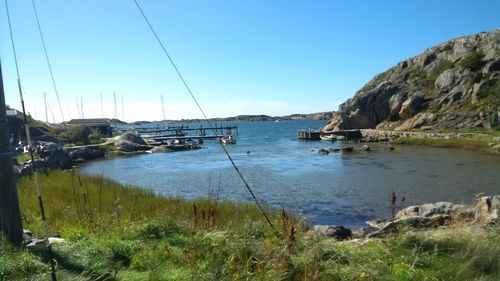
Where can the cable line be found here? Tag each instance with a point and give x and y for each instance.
(48, 61)
(206, 118)
(31, 152)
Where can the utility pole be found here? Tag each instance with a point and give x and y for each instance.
(10, 215)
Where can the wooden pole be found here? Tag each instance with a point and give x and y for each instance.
(10, 215)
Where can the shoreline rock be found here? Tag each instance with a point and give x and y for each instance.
(373, 135)
(483, 213)
(54, 156)
(449, 86)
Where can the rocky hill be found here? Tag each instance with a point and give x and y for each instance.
(453, 85)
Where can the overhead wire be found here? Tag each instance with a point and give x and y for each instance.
(31, 151)
(226, 152)
(47, 58)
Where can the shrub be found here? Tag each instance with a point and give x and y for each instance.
(447, 47)
(440, 67)
(490, 91)
(474, 61)
(95, 137)
(78, 135)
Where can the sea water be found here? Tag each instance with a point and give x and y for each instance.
(340, 188)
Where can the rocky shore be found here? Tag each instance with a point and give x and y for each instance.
(55, 156)
(454, 85)
(372, 135)
(483, 213)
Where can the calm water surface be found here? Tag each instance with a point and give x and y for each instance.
(345, 189)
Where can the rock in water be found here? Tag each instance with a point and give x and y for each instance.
(322, 151)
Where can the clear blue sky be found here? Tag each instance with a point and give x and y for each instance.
(239, 57)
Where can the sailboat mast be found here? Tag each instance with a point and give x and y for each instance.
(81, 105)
(162, 108)
(123, 110)
(114, 100)
(78, 109)
(102, 108)
(46, 112)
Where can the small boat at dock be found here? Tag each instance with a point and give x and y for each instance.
(328, 137)
(228, 140)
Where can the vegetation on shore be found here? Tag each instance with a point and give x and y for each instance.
(469, 143)
(116, 232)
(481, 140)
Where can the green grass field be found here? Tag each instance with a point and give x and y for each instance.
(115, 232)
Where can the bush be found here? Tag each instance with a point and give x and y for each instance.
(95, 137)
(474, 61)
(440, 67)
(490, 91)
(78, 135)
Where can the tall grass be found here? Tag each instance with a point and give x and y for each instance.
(116, 232)
(98, 204)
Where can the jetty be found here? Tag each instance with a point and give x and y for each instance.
(311, 134)
(184, 133)
(346, 134)
(181, 131)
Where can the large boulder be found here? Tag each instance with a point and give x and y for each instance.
(130, 146)
(413, 105)
(131, 138)
(487, 210)
(130, 142)
(59, 159)
(85, 153)
(335, 231)
(428, 210)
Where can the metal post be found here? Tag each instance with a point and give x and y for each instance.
(10, 215)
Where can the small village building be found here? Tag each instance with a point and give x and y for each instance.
(103, 125)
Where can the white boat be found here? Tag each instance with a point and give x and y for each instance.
(228, 140)
(328, 137)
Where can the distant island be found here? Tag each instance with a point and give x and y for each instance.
(259, 117)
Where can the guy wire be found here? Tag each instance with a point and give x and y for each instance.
(31, 152)
(47, 58)
(206, 119)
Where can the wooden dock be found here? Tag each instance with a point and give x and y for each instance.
(182, 131)
(347, 134)
(316, 134)
(160, 136)
(309, 134)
